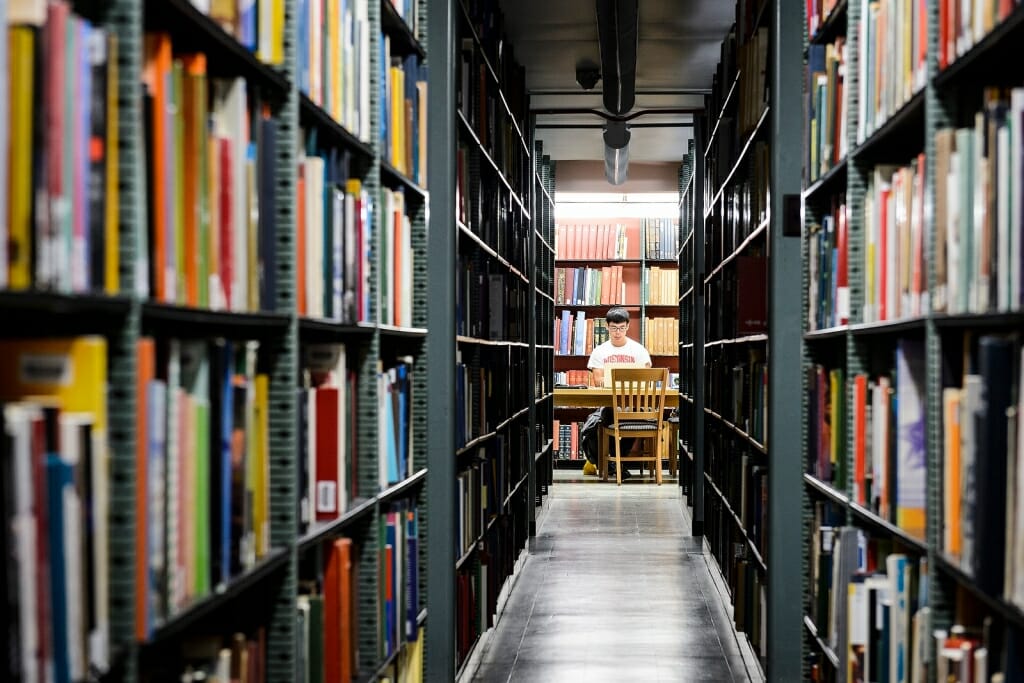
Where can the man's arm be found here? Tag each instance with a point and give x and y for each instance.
(598, 374)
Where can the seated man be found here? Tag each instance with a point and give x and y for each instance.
(619, 349)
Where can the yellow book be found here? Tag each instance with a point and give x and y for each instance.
(261, 465)
(72, 373)
(334, 62)
(421, 88)
(835, 389)
(277, 31)
(397, 118)
(22, 57)
(112, 260)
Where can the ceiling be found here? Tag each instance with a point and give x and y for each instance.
(679, 46)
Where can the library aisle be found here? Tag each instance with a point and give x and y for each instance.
(614, 590)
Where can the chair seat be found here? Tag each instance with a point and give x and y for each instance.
(636, 425)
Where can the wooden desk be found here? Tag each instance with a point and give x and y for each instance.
(599, 397)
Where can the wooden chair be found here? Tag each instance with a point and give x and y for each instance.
(638, 406)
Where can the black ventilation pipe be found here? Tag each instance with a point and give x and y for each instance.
(618, 33)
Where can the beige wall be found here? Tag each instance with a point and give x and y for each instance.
(588, 176)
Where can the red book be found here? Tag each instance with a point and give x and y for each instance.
(337, 592)
(860, 436)
(328, 453)
(226, 233)
(145, 351)
(842, 269)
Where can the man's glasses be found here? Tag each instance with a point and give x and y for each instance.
(617, 328)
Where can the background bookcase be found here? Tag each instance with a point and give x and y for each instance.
(739, 303)
(956, 601)
(630, 247)
(261, 600)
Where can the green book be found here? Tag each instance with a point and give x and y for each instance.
(315, 661)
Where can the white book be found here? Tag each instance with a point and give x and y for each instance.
(952, 199)
(18, 428)
(74, 544)
(175, 586)
(1002, 221)
(1015, 194)
(407, 270)
(980, 280)
(337, 282)
(315, 47)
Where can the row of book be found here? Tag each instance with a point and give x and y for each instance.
(482, 105)
(211, 152)
(203, 472)
(567, 437)
(219, 659)
(869, 604)
(398, 583)
(828, 292)
(403, 121)
(661, 238)
(480, 490)
(488, 391)
(742, 209)
(605, 242)
(962, 24)
(895, 278)
(661, 286)
(489, 302)
(488, 209)
(578, 335)
(978, 221)
(982, 470)
(590, 286)
(333, 241)
(737, 389)
(886, 414)
(826, 108)
(258, 26)
(58, 152)
(738, 300)
(661, 336)
(751, 90)
(333, 60)
(327, 617)
(893, 52)
(56, 508)
(743, 478)
(573, 378)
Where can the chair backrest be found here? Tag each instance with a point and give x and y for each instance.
(639, 394)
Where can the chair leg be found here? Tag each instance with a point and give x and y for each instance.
(618, 461)
(657, 460)
(602, 450)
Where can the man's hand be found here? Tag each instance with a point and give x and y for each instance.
(598, 377)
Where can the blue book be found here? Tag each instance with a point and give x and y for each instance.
(412, 576)
(247, 34)
(563, 342)
(390, 424)
(304, 79)
(403, 420)
(226, 427)
(59, 477)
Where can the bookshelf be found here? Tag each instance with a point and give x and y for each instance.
(606, 262)
(739, 293)
(162, 316)
(490, 286)
(898, 358)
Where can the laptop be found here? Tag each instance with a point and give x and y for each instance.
(608, 367)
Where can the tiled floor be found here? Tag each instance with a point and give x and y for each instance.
(614, 590)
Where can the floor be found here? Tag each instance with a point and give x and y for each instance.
(614, 590)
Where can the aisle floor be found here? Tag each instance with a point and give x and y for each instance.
(614, 590)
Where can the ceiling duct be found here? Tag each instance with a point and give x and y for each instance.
(617, 29)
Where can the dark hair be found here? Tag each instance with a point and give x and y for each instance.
(617, 315)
